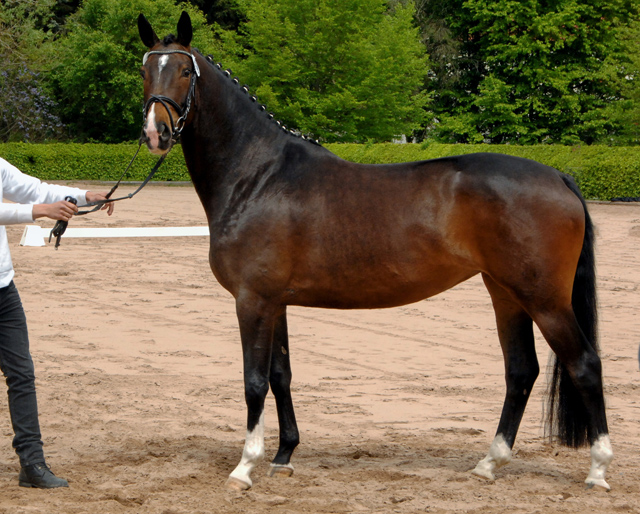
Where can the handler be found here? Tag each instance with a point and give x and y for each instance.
(34, 199)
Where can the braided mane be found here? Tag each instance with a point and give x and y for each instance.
(245, 89)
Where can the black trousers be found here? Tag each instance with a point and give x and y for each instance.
(17, 367)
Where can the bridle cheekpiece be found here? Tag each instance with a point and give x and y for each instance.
(183, 111)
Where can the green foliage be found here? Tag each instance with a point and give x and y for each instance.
(72, 161)
(23, 28)
(26, 107)
(535, 71)
(601, 172)
(95, 73)
(226, 13)
(502, 71)
(341, 70)
(626, 113)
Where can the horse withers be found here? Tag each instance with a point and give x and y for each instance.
(293, 224)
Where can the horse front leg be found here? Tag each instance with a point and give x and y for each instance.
(280, 380)
(256, 319)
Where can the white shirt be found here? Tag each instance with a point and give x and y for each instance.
(26, 191)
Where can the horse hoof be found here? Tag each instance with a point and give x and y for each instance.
(483, 472)
(281, 470)
(598, 484)
(235, 484)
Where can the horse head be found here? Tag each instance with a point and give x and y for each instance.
(169, 71)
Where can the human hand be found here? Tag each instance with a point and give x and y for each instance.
(96, 197)
(62, 210)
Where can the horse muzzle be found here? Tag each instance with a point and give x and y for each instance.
(156, 134)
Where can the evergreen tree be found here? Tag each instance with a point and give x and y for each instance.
(535, 71)
(626, 73)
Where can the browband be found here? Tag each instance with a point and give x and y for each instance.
(164, 52)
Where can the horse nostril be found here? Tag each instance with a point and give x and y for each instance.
(164, 132)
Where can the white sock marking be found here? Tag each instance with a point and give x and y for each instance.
(499, 455)
(601, 457)
(252, 454)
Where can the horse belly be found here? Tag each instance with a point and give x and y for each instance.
(366, 285)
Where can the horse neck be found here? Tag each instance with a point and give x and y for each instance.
(229, 138)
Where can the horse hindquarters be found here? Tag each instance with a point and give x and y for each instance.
(576, 411)
(550, 276)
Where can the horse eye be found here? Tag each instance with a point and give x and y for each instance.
(186, 72)
(142, 72)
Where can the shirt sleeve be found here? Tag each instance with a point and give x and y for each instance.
(13, 213)
(26, 191)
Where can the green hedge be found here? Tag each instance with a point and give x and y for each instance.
(69, 161)
(602, 172)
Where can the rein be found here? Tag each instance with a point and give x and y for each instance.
(176, 130)
(60, 226)
(99, 203)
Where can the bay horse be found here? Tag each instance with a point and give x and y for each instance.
(293, 224)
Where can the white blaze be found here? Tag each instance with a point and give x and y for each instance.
(162, 62)
(150, 129)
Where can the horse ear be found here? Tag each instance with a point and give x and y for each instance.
(185, 32)
(147, 33)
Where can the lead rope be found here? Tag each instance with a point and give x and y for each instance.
(61, 226)
(99, 203)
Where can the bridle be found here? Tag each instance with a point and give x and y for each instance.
(176, 130)
(165, 101)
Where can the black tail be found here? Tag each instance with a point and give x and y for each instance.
(567, 417)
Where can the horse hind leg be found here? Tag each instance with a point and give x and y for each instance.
(576, 404)
(515, 331)
(280, 381)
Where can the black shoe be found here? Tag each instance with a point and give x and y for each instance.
(39, 475)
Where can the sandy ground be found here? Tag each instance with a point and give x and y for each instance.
(138, 362)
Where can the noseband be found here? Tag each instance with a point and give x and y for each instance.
(165, 101)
